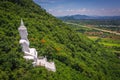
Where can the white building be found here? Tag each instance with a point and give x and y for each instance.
(49, 65)
(31, 53)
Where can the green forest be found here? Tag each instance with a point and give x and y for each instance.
(76, 57)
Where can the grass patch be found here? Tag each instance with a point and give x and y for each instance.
(110, 44)
(93, 37)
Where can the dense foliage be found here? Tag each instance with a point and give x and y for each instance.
(76, 57)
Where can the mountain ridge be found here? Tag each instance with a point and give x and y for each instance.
(79, 17)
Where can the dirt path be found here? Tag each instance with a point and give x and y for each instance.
(112, 32)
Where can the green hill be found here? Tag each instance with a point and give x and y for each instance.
(76, 57)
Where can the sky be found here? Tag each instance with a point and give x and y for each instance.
(82, 7)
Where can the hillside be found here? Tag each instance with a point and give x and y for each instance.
(76, 57)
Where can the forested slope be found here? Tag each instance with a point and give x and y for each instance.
(76, 57)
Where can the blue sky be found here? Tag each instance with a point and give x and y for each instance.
(83, 7)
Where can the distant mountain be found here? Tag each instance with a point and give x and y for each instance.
(79, 17)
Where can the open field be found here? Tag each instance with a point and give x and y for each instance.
(106, 41)
(93, 37)
(110, 39)
(112, 32)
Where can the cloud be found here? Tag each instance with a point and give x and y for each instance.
(50, 10)
(78, 10)
(62, 12)
(107, 12)
(84, 11)
(45, 1)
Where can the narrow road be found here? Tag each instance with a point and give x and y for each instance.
(112, 32)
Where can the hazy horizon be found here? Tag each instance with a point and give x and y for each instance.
(83, 7)
(90, 15)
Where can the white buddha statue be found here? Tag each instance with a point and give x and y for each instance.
(30, 53)
(23, 34)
